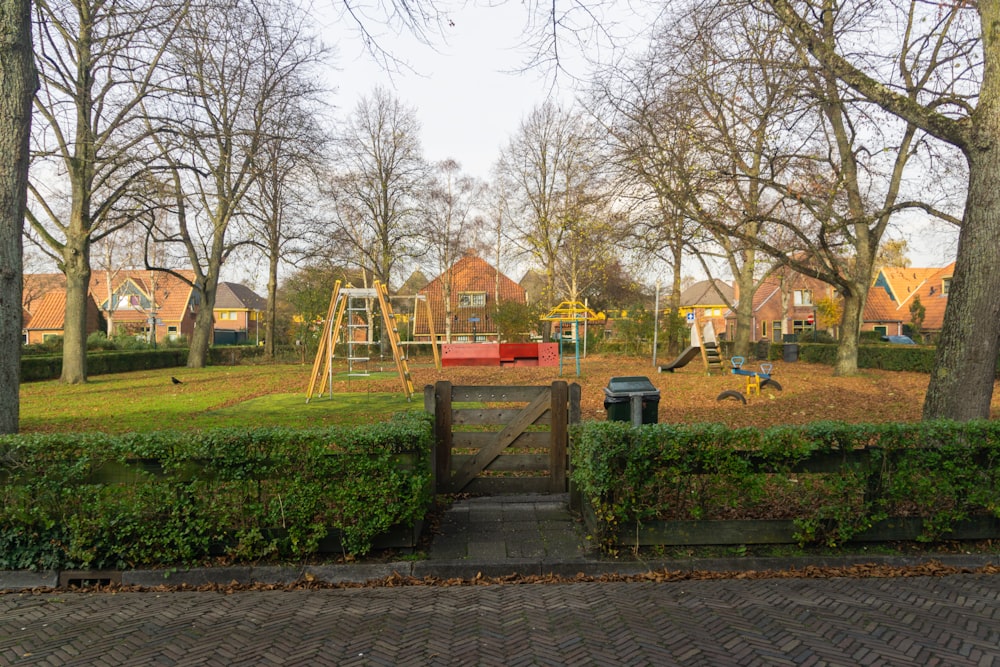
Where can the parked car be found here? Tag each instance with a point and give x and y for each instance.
(898, 340)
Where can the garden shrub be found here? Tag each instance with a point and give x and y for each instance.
(835, 480)
(101, 501)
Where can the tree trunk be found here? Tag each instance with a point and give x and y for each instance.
(271, 317)
(201, 337)
(961, 385)
(17, 87)
(76, 265)
(850, 328)
(744, 313)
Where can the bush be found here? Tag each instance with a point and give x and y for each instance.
(835, 480)
(100, 501)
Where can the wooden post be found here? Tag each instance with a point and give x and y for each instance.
(429, 409)
(559, 435)
(442, 432)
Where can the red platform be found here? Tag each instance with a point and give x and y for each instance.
(504, 354)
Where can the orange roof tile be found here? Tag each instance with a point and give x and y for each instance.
(879, 307)
(906, 285)
(49, 312)
(469, 274)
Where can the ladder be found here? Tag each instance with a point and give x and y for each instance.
(355, 305)
(350, 313)
(710, 354)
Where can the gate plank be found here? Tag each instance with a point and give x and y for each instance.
(533, 411)
(480, 439)
(516, 394)
(481, 416)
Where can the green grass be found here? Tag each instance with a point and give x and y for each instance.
(218, 396)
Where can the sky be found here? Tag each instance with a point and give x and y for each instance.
(467, 91)
(470, 97)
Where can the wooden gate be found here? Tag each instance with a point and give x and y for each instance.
(495, 440)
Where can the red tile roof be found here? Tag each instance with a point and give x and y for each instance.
(906, 285)
(49, 311)
(469, 274)
(44, 297)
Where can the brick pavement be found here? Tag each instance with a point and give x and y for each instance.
(952, 620)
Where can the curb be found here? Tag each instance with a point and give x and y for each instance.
(360, 573)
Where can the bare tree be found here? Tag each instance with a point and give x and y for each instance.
(236, 60)
(98, 61)
(449, 224)
(288, 167)
(376, 189)
(550, 168)
(944, 81)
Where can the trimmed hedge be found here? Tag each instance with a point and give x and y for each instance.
(49, 367)
(99, 501)
(834, 479)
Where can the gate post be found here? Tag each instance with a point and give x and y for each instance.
(559, 434)
(442, 433)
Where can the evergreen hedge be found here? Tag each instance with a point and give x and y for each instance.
(92, 500)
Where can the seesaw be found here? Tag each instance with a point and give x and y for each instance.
(755, 380)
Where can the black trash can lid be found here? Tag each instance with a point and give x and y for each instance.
(630, 385)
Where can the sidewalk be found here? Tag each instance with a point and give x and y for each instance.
(498, 536)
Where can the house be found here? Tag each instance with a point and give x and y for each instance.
(707, 300)
(238, 314)
(124, 301)
(535, 285)
(474, 288)
(894, 291)
(783, 304)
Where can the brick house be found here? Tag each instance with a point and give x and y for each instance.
(238, 313)
(475, 286)
(127, 304)
(784, 303)
(894, 291)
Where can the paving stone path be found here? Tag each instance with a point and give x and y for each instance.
(951, 620)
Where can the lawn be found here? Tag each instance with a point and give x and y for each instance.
(263, 395)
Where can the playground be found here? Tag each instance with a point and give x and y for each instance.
(809, 392)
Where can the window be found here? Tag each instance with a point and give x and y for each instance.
(945, 286)
(776, 330)
(763, 329)
(471, 299)
(881, 331)
(803, 297)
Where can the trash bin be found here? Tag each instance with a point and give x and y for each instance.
(790, 352)
(618, 397)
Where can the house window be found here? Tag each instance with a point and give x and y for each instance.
(803, 297)
(471, 299)
(763, 329)
(776, 330)
(945, 286)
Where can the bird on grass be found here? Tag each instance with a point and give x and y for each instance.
(175, 380)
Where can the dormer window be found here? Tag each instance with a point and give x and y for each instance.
(945, 286)
(471, 299)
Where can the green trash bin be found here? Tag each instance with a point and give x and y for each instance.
(618, 396)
